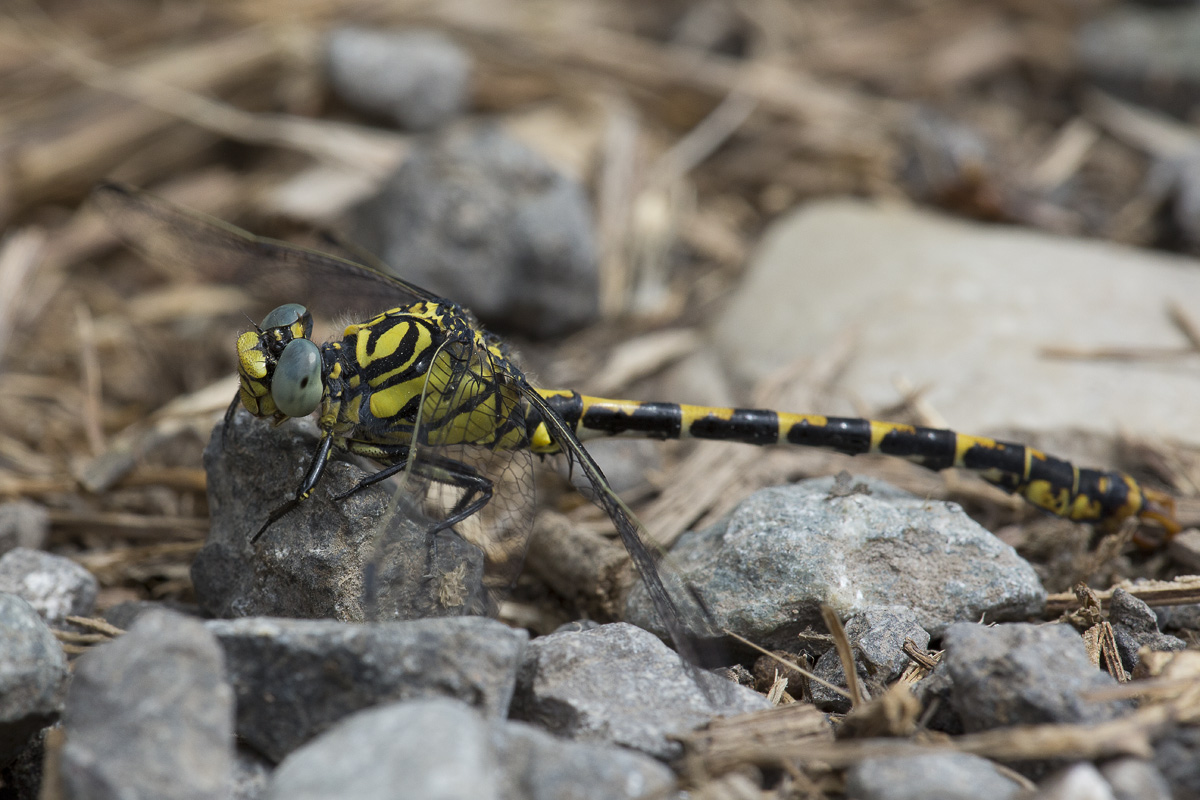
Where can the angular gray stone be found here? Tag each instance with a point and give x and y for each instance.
(21, 777)
(442, 749)
(435, 749)
(538, 766)
(1023, 674)
(55, 586)
(478, 217)
(251, 772)
(765, 571)
(877, 634)
(297, 678)
(124, 615)
(620, 684)
(1080, 781)
(948, 776)
(417, 79)
(311, 562)
(1177, 756)
(33, 675)
(150, 715)
(1134, 779)
(23, 524)
(1135, 626)
(934, 693)
(1178, 618)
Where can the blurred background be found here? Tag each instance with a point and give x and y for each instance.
(969, 214)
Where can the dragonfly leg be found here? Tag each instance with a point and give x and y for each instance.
(396, 458)
(477, 490)
(229, 412)
(315, 470)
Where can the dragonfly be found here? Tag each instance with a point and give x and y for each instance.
(421, 388)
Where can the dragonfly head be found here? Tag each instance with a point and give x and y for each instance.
(279, 366)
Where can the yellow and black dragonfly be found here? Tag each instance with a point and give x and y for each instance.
(421, 388)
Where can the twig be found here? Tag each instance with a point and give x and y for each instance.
(90, 379)
(789, 664)
(845, 654)
(20, 253)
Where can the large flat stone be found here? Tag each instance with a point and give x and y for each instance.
(966, 310)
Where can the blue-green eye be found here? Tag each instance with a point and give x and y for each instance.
(284, 316)
(296, 385)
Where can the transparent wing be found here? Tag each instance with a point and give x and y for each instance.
(467, 494)
(273, 270)
(680, 609)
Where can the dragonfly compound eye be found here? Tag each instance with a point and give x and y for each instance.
(284, 316)
(296, 385)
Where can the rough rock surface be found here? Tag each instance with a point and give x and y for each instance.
(944, 776)
(297, 678)
(55, 586)
(1023, 674)
(620, 684)
(765, 571)
(311, 562)
(33, 675)
(877, 634)
(442, 749)
(150, 714)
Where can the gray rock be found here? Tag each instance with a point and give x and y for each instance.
(938, 776)
(21, 778)
(1134, 779)
(478, 217)
(297, 678)
(1131, 613)
(1177, 757)
(877, 634)
(1135, 626)
(150, 715)
(33, 675)
(23, 524)
(1178, 618)
(251, 773)
(442, 749)
(311, 562)
(1080, 781)
(1149, 55)
(620, 684)
(55, 586)
(937, 710)
(948, 304)
(1023, 674)
(124, 615)
(538, 766)
(417, 79)
(435, 749)
(765, 571)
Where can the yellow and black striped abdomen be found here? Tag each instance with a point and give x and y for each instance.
(1047, 482)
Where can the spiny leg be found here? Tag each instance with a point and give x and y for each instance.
(316, 468)
(433, 468)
